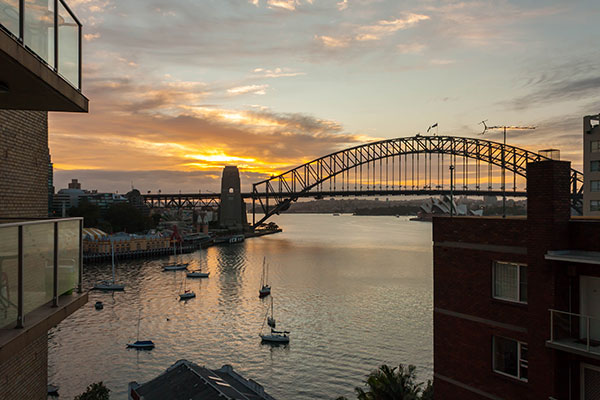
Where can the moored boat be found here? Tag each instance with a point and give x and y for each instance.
(175, 267)
(141, 345)
(197, 274)
(279, 337)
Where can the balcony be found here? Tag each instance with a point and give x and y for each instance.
(40, 56)
(574, 333)
(40, 278)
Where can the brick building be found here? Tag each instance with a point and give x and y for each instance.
(517, 300)
(40, 259)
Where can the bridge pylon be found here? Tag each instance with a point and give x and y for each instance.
(232, 209)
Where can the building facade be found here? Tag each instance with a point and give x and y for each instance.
(591, 165)
(40, 260)
(516, 300)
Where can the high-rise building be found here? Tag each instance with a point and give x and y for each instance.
(591, 165)
(40, 71)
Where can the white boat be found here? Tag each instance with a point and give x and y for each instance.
(140, 344)
(110, 285)
(197, 274)
(175, 267)
(276, 337)
(271, 318)
(187, 293)
(265, 289)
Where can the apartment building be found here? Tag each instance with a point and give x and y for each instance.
(40, 258)
(517, 300)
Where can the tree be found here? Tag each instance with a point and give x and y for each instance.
(90, 213)
(126, 217)
(398, 383)
(96, 391)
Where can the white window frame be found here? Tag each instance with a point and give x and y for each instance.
(519, 360)
(582, 378)
(519, 266)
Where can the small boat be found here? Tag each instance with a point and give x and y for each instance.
(110, 285)
(187, 293)
(230, 239)
(52, 391)
(336, 214)
(140, 344)
(276, 337)
(197, 274)
(99, 305)
(271, 318)
(175, 267)
(265, 289)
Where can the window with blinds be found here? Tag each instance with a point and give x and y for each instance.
(510, 281)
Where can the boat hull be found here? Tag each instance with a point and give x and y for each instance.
(186, 296)
(141, 345)
(175, 267)
(109, 287)
(275, 339)
(198, 274)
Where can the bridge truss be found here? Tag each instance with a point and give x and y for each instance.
(413, 165)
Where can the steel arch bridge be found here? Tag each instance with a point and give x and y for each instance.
(404, 166)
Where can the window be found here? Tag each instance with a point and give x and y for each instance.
(595, 165)
(595, 146)
(594, 205)
(510, 358)
(595, 186)
(510, 281)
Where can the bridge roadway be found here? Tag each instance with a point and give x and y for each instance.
(199, 200)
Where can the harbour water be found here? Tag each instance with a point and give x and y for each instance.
(355, 292)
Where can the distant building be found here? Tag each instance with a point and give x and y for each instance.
(185, 380)
(105, 200)
(97, 242)
(591, 165)
(65, 199)
(74, 184)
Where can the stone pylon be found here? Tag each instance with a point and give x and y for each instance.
(232, 211)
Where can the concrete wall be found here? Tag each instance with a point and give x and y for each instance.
(23, 163)
(590, 134)
(25, 374)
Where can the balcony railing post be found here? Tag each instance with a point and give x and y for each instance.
(56, 35)
(587, 328)
(551, 325)
(80, 58)
(55, 267)
(80, 278)
(21, 20)
(20, 278)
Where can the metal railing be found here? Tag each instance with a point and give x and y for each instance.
(39, 262)
(50, 30)
(576, 331)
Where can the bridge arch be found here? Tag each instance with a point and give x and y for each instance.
(301, 180)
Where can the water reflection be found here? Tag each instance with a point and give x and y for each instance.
(355, 292)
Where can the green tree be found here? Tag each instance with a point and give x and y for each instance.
(128, 218)
(96, 391)
(90, 213)
(398, 383)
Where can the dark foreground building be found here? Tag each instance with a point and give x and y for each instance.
(517, 300)
(185, 380)
(40, 259)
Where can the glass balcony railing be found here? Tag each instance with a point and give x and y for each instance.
(39, 262)
(50, 30)
(574, 332)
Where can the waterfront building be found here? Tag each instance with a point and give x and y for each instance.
(517, 300)
(591, 165)
(185, 380)
(40, 259)
(97, 242)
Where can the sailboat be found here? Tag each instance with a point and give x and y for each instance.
(197, 273)
(275, 337)
(110, 285)
(271, 318)
(141, 344)
(265, 289)
(177, 265)
(187, 293)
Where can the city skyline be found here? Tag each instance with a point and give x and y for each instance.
(180, 89)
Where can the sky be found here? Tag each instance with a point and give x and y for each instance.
(180, 88)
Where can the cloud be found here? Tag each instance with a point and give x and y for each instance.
(411, 48)
(276, 72)
(329, 41)
(91, 36)
(342, 5)
(248, 89)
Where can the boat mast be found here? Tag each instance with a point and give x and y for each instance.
(138, 327)
(262, 279)
(272, 316)
(112, 245)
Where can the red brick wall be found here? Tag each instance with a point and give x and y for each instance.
(23, 163)
(25, 375)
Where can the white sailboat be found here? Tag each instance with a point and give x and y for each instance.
(275, 337)
(265, 289)
(110, 285)
(271, 318)
(141, 344)
(197, 273)
(187, 293)
(177, 265)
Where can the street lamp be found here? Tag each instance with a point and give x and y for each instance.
(504, 128)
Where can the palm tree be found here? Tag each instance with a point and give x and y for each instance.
(393, 384)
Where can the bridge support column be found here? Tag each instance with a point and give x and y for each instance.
(232, 210)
